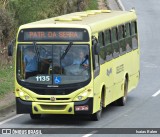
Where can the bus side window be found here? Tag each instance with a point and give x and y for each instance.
(134, 35)
(101, 38)
(115, 43)
(107, 37)
(121, 37)
(134, 28)
(128, 37)
(102, 51)
(108, 45)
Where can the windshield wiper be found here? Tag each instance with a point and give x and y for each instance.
(66, 50)
(65, 53)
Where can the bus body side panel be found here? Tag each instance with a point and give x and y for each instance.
(107, 75)
(135, 66)
(97, 93)
(134, 77)
(135, 63)
(119, 64)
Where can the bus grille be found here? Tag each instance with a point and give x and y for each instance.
(56, 98)
(58, 91)
(53, 107)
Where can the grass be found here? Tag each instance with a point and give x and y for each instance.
(6, 80)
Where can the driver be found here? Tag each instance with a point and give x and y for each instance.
(82, 60)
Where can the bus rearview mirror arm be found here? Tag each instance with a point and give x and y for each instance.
(97, 49)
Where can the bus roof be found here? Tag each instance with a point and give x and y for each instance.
(97, 20)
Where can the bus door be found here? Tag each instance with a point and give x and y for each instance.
(96, 75)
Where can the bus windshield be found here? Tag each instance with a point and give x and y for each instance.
(43, 64)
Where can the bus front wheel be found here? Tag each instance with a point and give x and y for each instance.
(97, 116)
(35, 116)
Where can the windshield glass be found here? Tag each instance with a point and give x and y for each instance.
(44, 64)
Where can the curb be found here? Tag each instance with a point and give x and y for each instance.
(114, 4)
(8, 109)
(120, 5)
(106, 4)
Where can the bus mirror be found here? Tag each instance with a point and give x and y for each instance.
(97, 48)
(10, 49)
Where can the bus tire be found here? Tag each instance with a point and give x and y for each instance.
(35, 116)
(122, 101)
(97, 116)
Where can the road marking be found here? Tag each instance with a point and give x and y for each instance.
(156, 94)
(7, 120)
(120, 3)
(90, 134)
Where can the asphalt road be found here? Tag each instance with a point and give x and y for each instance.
(142, 109)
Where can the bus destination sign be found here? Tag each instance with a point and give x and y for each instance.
(41, 35)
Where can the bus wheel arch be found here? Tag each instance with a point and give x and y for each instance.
(103, 94)
(123, 99)
(126, 83)
(127, 77)
(97, 116)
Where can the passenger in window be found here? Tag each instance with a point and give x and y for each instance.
(134, 43)
(120, 49)
(109, 56)
(115, 53)
(30, 63)
(128, 48)
(45, 60)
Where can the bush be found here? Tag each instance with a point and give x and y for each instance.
(6, 29)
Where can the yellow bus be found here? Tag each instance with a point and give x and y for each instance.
(76, 63)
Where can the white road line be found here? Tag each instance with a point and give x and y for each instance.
(120, 3)
(156, 94)
(90, 134)
(7, 120)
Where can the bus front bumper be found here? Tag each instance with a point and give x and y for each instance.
(81, 107)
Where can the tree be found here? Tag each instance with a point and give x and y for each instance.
(4, 3)
(26, 11)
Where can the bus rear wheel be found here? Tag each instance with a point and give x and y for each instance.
(35, 116)
(122, 101)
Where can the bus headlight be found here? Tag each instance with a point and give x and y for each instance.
(82, 96)
(21, 93)
(24, 96)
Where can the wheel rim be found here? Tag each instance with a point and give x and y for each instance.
(124, 99)
(125, 91)
(100, 111)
